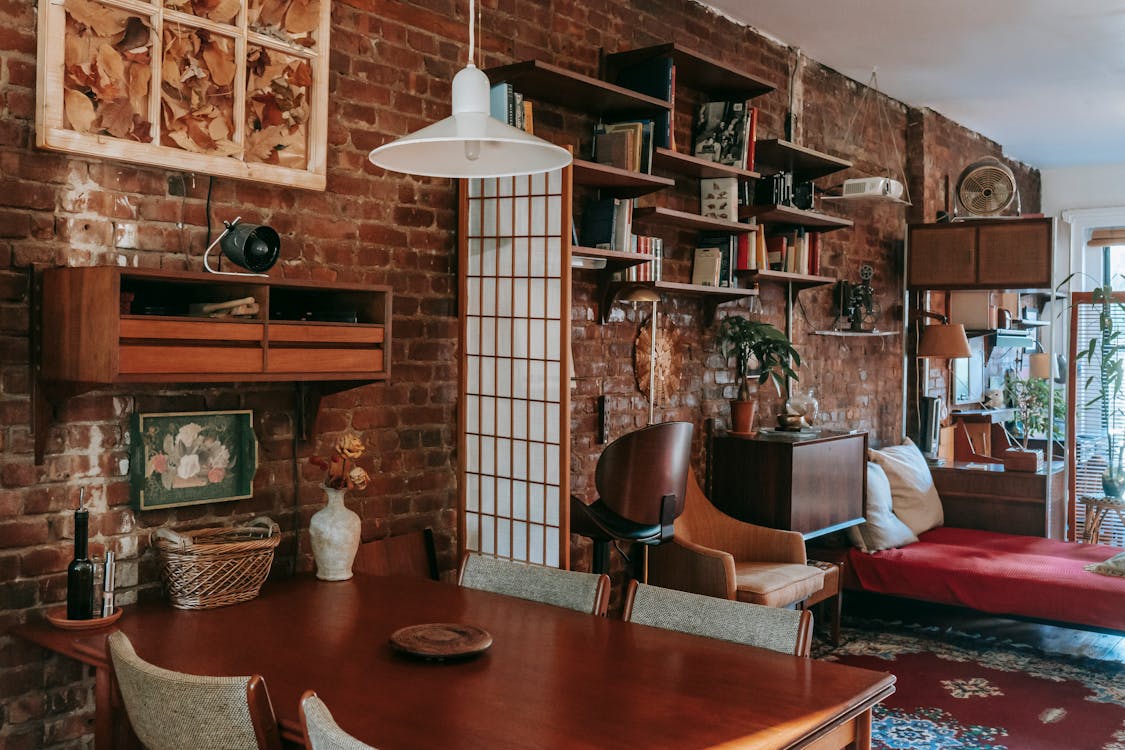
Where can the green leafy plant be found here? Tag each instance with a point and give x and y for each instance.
(748, 340)
(1030, 397)
(1108, 351)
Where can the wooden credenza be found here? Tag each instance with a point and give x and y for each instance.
(985, 496)
(814, 485)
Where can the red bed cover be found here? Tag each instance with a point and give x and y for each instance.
(999, 573)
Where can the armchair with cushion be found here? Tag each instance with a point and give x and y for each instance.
(717, 555)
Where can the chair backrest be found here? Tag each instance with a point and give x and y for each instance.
(321, 730)
(410, 554)
(640, 468)
(786, 630)
(584, 592)
(176, 711)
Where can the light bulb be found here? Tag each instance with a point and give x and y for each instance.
(472, 150)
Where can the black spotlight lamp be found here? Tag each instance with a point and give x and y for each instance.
(254, 247)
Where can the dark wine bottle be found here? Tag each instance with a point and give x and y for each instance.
(80, 572)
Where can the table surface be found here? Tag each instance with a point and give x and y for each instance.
(553, 678)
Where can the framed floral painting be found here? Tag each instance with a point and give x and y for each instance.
(189, 458)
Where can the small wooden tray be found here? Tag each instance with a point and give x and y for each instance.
(57, 618)
(441, 640)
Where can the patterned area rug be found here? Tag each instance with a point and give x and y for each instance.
(966, 692)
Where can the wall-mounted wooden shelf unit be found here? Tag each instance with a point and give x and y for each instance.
(694, 166)
(797, 281)
(104, 325)
(549, 83)
(620, 183)
(695, 70)
(670, 217)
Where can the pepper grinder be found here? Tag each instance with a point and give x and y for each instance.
(108, 583)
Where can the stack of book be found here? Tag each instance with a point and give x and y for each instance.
(725, 132)
(796, 252)
(626, 144)
(716, 260)
(508, 106)
(650, 271)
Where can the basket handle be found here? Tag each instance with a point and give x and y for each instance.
(266, 522)
(170, 536)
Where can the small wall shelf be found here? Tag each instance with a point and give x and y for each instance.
(798, 281)
(660, 216)
(777, 155)
(795, 217)
(856, 334)
(695, 70)
(694, 166)
(615, 260)
(621, 183)
(549, 83)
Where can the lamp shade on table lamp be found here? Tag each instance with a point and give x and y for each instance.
(944, 342)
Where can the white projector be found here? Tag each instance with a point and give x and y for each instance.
(872, 187)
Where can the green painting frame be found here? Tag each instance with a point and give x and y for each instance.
(191, 458)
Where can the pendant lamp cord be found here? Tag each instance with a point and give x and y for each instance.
(472, 31)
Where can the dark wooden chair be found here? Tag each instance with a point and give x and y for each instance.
(641, 480)
(411, 554)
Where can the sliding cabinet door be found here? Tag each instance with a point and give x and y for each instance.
(514, 412)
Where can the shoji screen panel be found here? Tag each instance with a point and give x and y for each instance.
(514, 425)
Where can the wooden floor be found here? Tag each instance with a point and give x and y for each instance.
(1047, 637)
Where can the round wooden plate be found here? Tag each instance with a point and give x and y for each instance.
(57, 618)
(441, 640)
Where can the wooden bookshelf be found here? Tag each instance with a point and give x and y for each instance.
(621, 183)
(776, 155)
(545, 82)
(693, 166)
(669, 217)
(795, 217)
(695, 70)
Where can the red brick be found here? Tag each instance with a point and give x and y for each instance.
(41, 560)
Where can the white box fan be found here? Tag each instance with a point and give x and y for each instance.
(986, 188)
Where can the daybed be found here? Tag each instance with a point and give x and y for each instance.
(904, 550)
(998, 573)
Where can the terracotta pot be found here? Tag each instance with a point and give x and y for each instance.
(742, 415)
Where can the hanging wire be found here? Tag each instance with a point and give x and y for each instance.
(472, 29)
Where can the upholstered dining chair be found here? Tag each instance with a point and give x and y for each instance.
(177, 711)
(786, 630)
(321, 730)
(585, 592)
(411, 554)
(717, 555)
(640, 479)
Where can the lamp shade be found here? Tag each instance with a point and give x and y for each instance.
(1107, 237)
(470, 143)
(944, 342)
(1042, 365)
(637, 293)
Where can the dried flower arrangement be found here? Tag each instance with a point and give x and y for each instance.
(343, 473)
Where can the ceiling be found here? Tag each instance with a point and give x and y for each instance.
(1044, 78)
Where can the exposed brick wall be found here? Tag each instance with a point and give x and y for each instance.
(391, 64)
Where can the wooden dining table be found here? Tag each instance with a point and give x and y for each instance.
(553, 678)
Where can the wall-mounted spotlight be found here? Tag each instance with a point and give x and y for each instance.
(254, 247)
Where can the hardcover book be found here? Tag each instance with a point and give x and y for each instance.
(721, 130)
(718, 198)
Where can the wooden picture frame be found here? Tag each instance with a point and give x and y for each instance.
(189, 458)
(154, 83)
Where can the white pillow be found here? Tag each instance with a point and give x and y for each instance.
(883, 529)
(1114, 566)
(913, 495)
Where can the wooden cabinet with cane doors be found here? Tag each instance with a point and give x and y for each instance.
(981, 254)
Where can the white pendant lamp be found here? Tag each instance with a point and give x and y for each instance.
(470, 143)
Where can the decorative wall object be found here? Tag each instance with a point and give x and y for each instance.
(667, 375)
(236, 88)
(190, 458)
(515, 332)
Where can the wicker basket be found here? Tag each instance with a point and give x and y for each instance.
(215, 567)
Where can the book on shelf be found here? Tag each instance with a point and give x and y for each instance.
(623, 226)
(655, 77)
(727, 245)
(528, 118)
(721, 131)
(707, 266)
(777, 251)
(774, 190)
(797, 251)
(814, 253)
(762, 261)
(607, 224)
(509, 107)
(751, 138)
(718, 198)
(642, 130)
(746, 258)
(615, 149)
(652, 247)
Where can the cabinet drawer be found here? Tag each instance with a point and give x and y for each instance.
(188, 360)
(308, 359)
(317, 333)
(189, 330)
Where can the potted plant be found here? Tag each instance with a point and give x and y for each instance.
(1029, 398)
(755, 344)
(1108, 350)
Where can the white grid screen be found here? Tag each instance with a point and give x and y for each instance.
(515, 340)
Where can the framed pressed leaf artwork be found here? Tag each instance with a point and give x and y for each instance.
(234, 88)
(189, 458)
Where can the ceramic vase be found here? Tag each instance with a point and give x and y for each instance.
(1113, 481)
(334, 532)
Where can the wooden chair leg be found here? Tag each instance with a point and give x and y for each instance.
(837, 610)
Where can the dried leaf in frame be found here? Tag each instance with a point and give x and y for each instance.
(79, 110)
(303, 16)
(116, 117)
(104, 21)
(220, 62)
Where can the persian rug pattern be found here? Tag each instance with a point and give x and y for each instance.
(961, 691)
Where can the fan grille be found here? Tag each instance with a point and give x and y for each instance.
(987, 190)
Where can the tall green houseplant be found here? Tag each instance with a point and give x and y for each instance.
(1108, 350)
(747, 340)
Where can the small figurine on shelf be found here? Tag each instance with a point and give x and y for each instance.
(334, 529)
